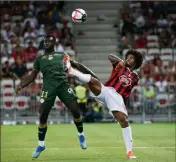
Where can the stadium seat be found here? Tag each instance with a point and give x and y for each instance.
(7, 83)
(152, 38)
(153, 45)
(17, 18)
(142, 50)
(162, 100)
(8, 103)
(153, 52)
(7, 92)
(166, 54)
(22, 102)
(58, 104)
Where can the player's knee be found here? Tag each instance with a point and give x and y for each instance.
(93, 81)
(73, 107)
(123, 122)
(121, 118)
(95, 86)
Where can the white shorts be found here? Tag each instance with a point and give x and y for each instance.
(111, 99)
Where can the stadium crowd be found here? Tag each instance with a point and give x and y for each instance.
(150, 27)
(143, 26)
(24, 25)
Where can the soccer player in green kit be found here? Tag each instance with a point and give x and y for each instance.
(54, 84)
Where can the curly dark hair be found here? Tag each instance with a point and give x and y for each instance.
(138, 57)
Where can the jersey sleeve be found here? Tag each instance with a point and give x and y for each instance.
(36, 65)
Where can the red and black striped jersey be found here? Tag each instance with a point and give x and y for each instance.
(122, 81)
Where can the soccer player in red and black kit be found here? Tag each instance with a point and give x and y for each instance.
(116, 90)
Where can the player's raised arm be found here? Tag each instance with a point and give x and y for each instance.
(114, 59)
(27, 80)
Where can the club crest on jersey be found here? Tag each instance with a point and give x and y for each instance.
(50, 57)
(125, 80)
(70, 90)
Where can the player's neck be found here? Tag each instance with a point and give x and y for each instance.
(49, 51)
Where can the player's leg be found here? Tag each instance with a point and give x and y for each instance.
(126, 132)
(115, 104)
(66, 95)
(93, 83)
(47, 101)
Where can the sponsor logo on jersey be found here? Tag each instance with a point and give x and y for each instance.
(70, 90)
(125, 80)
(50, 57)
(42, 100)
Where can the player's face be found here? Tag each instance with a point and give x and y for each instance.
(48, 42)
(130, 61)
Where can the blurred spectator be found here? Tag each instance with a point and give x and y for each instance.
(172, 88)
(81, 94)
(151, 20)
(162, 22)
(55, 15)
(128, 25)
(124, 43)
(140, 41)
(147, 70)
(6, 72)
(67, 36)
(149, 96)
(31, 52)
(42, 17)
(4, 36)
(140, 21)
(165, 40)
(6, 49)
(19, 68)
(97, 112)
(9, 31)
(148, 81)
(59, 46)
(32, 20)
(30, 35)
(161, 85)
(18, 51)
(41, 31)
(18, 28)
(135, 100)
(69, 50)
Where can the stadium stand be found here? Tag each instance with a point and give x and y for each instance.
(142, 25)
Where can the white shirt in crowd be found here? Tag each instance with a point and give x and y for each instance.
(161, 85)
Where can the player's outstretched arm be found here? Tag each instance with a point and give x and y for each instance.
(114, 59)
(27, 80)
(82, 68)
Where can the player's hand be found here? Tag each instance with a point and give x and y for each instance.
(17, 90)
(119, 65)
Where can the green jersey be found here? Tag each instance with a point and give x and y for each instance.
(52, 68)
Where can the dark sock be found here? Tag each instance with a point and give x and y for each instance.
(79, 124)
(41, 133)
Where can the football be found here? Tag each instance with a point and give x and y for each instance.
(79, 15)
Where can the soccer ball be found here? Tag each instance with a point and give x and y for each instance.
(79, 15)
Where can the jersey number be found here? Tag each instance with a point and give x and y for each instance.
(44, 94)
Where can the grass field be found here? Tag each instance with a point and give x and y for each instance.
(152, 143)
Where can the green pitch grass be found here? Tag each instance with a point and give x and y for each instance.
(152, 143)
